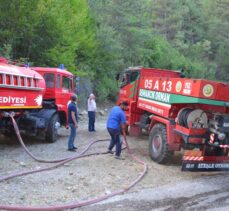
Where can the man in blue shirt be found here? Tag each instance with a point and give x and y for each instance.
(73, 122)
(116, 120)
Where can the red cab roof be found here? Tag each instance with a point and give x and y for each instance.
(53, 70)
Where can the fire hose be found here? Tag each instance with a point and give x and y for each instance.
(74, 204)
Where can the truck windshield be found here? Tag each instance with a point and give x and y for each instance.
(128, 77)
(49, 80)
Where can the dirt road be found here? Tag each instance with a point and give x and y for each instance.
(163, 188)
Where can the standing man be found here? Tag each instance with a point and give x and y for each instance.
(91, 105)
(73, 123)
(116, 120)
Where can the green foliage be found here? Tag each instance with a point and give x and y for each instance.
(197, 29)
(106, 89)
(122, 30)
(5, 51)
(222, 60)
(48, 32)
(77, 43)
(14, 26)
(167, 57)
(163, 55)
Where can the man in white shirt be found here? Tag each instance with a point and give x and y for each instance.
(91, 112)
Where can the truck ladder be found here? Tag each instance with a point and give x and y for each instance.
(8, 80)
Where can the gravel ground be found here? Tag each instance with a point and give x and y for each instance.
(92, 176)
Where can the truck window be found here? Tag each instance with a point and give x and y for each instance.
(67, 83)
(58, 81)
(49, 80)
(134, 76)
(125, 79)
(128, 77)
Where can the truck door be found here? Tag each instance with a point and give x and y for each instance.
(67, 89)
(129, 85)
(64, 91)
(50, 86)
(128, 92)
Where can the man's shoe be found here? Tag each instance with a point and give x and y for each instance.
(110, 152)
(72, 150)
(119, 157)
(75, 147)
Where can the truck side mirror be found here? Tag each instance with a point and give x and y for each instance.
(76, 84)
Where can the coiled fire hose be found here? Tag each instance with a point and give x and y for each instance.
(74, 204)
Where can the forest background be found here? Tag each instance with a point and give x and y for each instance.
(96, 39)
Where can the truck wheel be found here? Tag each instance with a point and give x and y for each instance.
(52, 130)
(158, 145)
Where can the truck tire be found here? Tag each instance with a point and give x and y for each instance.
(158, 145)
(52, 130)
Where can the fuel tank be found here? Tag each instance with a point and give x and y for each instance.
(20, 87)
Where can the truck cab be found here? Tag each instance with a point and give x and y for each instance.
(59, 89)
(129, 83)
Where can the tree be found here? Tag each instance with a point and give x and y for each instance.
(122, 30)
(17, 23)
(222, 61)
(48, 32)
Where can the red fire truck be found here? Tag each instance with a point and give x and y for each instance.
(37, 97)
(179, 113)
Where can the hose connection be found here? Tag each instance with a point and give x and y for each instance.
(8, 114)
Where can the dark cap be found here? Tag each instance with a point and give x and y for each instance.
(73, 97)
(124, 103)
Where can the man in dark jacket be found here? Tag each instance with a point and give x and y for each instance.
(73, 122)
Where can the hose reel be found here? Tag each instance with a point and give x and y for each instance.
(192, 118)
